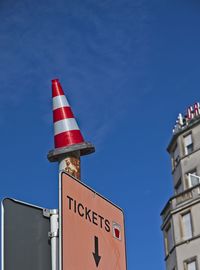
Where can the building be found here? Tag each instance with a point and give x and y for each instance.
(181, 214)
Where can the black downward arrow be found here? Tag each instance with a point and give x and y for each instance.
(97, 258)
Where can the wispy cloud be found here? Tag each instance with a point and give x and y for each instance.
(97, 50)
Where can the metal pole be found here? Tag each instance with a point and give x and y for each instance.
(71, 164)
(54, 240)
(53, 236)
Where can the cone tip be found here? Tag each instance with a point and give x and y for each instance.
(55, 80)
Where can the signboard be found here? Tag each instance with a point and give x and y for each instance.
(92, 229)
(182, 121)
(25, 243)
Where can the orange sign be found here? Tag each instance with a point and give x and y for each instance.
(92, 229)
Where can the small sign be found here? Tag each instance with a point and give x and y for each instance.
(92, 229)
(116, 231)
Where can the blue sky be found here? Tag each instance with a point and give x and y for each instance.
(128, 68)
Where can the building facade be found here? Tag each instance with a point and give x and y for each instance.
(181, 214)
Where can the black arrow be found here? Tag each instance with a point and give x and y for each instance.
(97, 258)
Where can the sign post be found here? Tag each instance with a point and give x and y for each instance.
(92, 229)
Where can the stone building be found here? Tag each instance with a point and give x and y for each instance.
(181, 214)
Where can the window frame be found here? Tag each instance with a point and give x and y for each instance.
(175, 156)
(190, 180)
(187, 149)
(169, 246)
(191, 226)
(190, 260)
(178, 185)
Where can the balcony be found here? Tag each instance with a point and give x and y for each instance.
(181, 199)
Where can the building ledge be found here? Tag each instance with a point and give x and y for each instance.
(181, 243)
(180, 200)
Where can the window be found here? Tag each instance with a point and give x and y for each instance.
(193, 179)
(176, 156)
(187, 226)
(179, 187)
(188, 144)
(169, 241)
(191, 264)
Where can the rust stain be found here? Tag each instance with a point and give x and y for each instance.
(73, 166)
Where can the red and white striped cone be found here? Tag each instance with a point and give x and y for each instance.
(66, 130)
(67, 135)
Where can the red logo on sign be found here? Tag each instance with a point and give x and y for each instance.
(116, 231)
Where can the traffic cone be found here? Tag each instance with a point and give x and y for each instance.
(66, 130)
(67, 135)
